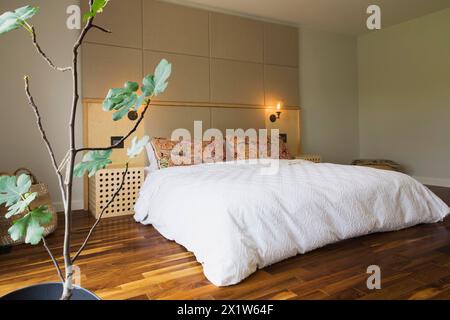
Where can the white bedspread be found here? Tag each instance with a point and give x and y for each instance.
(236, 220)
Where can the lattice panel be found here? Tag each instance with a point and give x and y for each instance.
(311, 157)
(105, 183)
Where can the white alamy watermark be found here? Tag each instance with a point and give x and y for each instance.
(251, 146)
(374, 20)
(73, 22)
(374, 280)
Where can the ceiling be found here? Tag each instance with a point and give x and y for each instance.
(340, 16)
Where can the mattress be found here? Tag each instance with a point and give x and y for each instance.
(237, 217)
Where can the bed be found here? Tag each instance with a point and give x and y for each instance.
(236, 219)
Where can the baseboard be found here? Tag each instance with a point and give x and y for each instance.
(434, 181)
(76, 205)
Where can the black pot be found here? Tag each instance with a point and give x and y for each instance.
(48, 291)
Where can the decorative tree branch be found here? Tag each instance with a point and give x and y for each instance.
(67, 292)
(33, 105)
(42, 53)
(101, 28)
(138, 122)
(83, 246)
(55, 263)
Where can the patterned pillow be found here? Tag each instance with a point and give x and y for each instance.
(170, 153)
(250, 149)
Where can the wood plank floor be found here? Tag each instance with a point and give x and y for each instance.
(127, 260)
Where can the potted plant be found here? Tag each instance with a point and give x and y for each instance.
(14, 192)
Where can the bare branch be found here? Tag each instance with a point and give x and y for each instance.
(67, 292)
(56, 264)
(101, 214)
(33, 105)
(101, 28)
(42, 53)
(124, 138)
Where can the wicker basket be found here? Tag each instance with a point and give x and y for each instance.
(43, 199)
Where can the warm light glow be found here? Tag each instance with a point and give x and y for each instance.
(279, 106)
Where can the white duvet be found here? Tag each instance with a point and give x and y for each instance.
(236, 220)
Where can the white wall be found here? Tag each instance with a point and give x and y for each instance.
(329, 95)
(404, 96)
(20, 141)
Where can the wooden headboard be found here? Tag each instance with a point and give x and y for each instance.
(164, 117)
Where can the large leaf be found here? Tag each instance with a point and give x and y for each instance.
(31, 226)
(162, 74)
(120, 114)
(137, 146)
(97, 7)
(154, 85)
(148, 88)
(12, 20)
(148, 85)
(121, 100)
(12, 189)
(92, 162)
(21, 205)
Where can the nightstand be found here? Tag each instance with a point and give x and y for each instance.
(104, 184)
(310, 157)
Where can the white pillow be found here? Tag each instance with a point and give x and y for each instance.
(153, 163)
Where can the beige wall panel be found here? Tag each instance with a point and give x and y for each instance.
(178, 29)
(101, 127)
(123, 18)
(163, 120)
(236, 118)
(289, 123)
(189, 81)
(236, 38)
(281, 45)
(237, 82)
(281, 85)
(107, 67)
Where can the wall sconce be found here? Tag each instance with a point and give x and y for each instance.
(275, 117)
(133, 115)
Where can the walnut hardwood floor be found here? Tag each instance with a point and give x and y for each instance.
(127, 260)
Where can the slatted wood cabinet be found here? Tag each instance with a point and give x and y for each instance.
(105, 183)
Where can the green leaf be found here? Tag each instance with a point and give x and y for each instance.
(12, 189)
(148, 85)
(31, 226)
(140, 100)
(42, 215)
(132, 86)
(120, 114)
(148, 88)
(19, 228)
(121, 100)
(21, 205)
(92, 162)
(12, 20)
(137, 146)
(162, 74)
(34, 232)
(97, 7)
